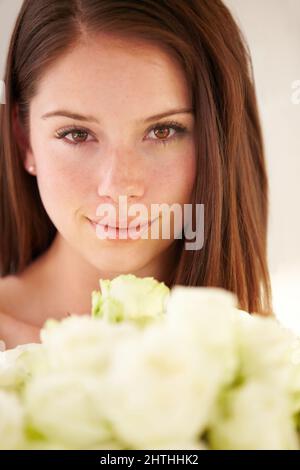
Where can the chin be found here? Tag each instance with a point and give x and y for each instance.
(113, 260)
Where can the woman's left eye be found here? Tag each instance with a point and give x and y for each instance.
(179, 131)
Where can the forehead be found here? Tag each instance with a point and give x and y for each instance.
(115, 75)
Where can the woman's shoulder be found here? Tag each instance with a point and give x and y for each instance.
(14, 294)
(13, 331)
(9, 293)
(6, 287)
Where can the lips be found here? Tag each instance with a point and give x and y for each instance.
(123, 226)
(104, 232)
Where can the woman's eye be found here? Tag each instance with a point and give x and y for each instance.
(163, 132)
(163, 135)
(78, 136)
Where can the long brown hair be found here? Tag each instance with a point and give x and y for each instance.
(231, 178)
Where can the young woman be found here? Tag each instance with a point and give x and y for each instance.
(153, 101)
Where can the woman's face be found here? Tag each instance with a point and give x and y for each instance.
(117, 87)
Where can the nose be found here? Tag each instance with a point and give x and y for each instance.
(123, 175)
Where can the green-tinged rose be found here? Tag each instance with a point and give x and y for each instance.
(82, 343)
(192, 351)
(36, 443)
(43, 445)
(294, 384)
(190, 300)
(67, 408)
(180, 445)
(162, 388)
(253, 416)
(19, 364)
(205, 318)
(11, 421)
(128, 297)
(265, 350)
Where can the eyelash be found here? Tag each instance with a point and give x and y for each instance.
(176, 126)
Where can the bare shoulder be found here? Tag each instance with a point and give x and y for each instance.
(13, 331)
(11, 293)
(6, 285)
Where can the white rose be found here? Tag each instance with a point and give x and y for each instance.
(68, 408)
(205, 318)
(162, 389)
(254, 416)
(265, 350)
(82, 343)
(130, 298)
(11, 421)
(18, 364)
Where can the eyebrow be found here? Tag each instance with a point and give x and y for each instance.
(80, 117)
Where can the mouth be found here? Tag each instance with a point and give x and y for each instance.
(105, 231)
(121, 227)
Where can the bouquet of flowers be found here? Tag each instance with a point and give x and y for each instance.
(154, 368)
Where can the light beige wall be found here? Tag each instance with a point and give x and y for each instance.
(8, 12)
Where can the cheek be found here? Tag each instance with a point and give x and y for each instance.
(56, 182)
(62, 189)
(174, 180)
(60, 171)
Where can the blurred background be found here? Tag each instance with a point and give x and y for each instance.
(272, 30)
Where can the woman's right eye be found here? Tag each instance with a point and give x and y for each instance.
(81, 133)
